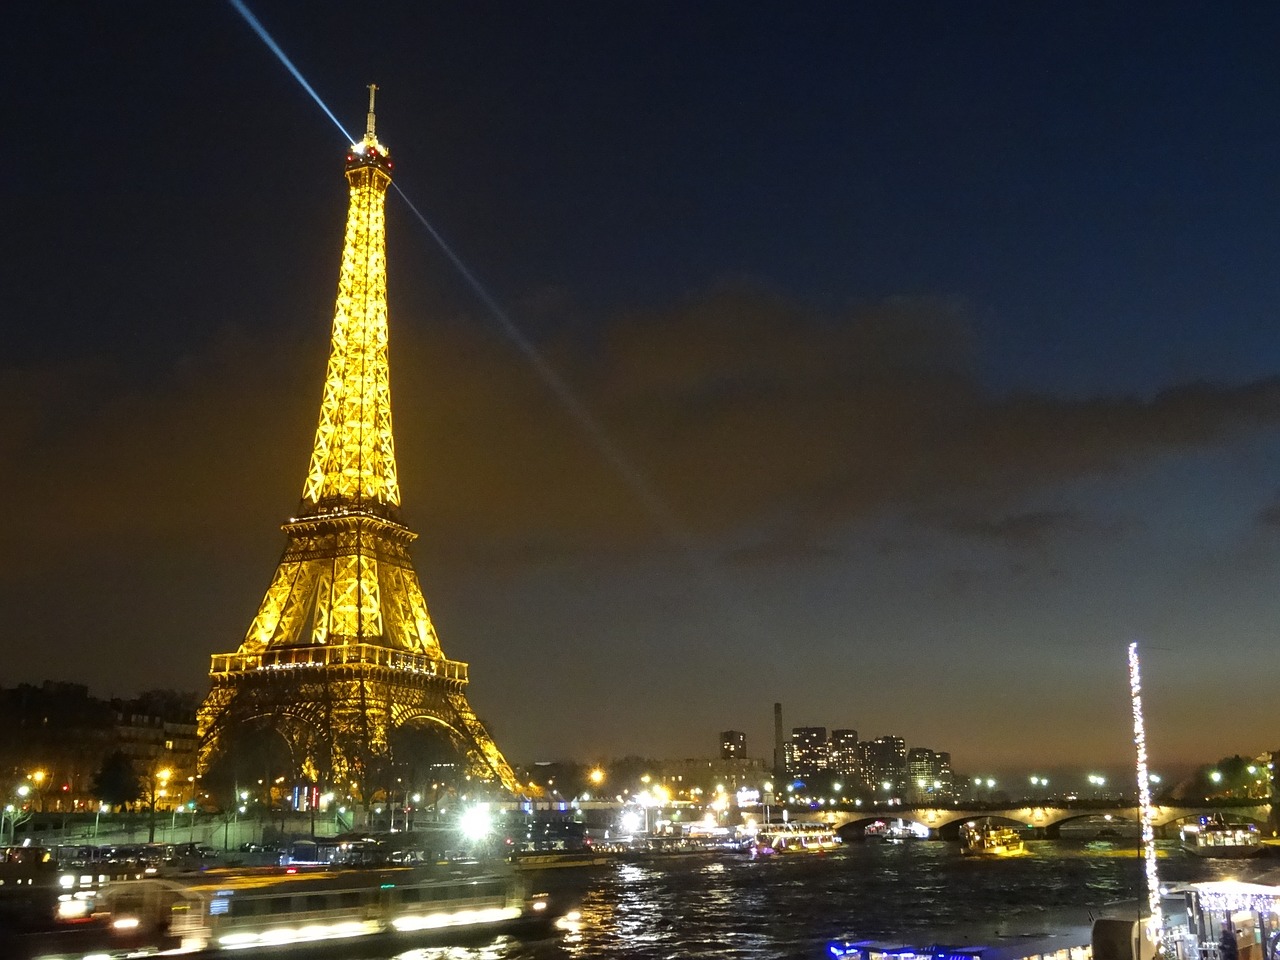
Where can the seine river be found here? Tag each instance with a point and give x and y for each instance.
(790, 907)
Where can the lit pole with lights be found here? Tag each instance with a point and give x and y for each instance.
(156, 786)
(1155, 922)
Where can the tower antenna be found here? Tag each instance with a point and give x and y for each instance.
(373, 89)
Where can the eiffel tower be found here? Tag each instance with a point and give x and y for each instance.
(342, 653)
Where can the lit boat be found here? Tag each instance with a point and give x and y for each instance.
(898, 831)
(1230, 918)
(1214, 837)
(794, 837)
(560, 861)
(983, 838)
(276, 908)
(1105, 938)
(1068, 945)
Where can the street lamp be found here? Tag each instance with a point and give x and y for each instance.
(161, 777)
(37, 777)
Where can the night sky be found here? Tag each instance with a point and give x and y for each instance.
(929, 351)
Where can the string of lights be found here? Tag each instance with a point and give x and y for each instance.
(1155, 922)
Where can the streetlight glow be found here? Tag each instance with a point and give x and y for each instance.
(476, 822)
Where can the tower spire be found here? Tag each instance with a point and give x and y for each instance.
(369, 120)
(353, 461)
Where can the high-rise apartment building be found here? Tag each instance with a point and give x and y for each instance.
(843, 756)
(928, 774)
(885, 762)
(733, 745)
(807, 752)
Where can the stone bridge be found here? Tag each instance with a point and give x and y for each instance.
(1047, 819)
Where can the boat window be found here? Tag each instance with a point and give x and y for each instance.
(128, 903)
(242, 907)
(349, 899)
(410, 894)
(280, 904)
(317, 901)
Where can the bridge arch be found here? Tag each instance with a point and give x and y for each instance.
(1044, 818)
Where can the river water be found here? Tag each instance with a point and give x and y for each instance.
(790, 907)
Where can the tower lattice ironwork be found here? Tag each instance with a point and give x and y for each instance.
(342, 652)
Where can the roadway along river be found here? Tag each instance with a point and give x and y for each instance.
(789, 907)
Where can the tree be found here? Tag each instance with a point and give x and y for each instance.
(154, 785)
(117, 783)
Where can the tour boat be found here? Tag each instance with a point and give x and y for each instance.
(794, 837)
(983, 838)
(279, 907)
(1069, 945)
(1215, 837)
(1105, 938)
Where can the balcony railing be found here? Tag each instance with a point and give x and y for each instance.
(291, 658)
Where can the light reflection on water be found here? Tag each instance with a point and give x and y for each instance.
(789, 907)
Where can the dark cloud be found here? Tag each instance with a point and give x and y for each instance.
(1268, 517)
(742, 411)
(775, 551)
(1035, 529)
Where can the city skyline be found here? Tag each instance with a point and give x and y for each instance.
(924, 368)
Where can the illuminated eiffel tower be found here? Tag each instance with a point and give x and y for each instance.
(342, 653)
